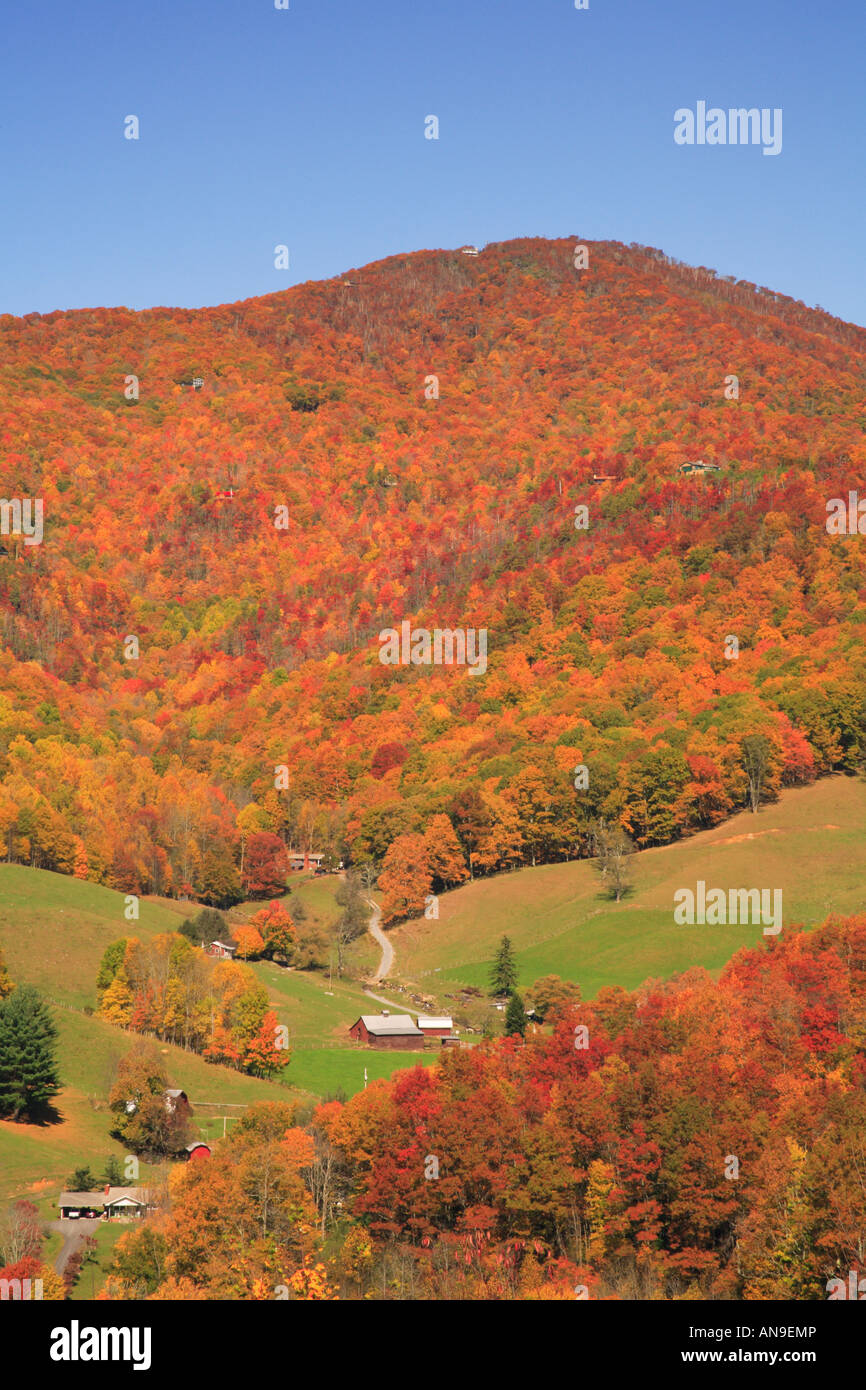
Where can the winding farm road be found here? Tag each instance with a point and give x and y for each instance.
(74, 1234)
(387, 959)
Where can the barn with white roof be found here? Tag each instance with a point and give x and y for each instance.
(387, 1030)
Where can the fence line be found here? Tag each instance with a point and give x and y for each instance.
(60, 1004)
(224, 1105)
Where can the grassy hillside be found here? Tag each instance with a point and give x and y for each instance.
(810, 844)
(317, 1022)
(35, 1158)
(316, 892)
(53, 931)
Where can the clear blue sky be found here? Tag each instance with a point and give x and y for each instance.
(306, 127)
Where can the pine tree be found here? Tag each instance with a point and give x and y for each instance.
(515, 1017)
(82, 1180)
(28, 1070)
(113, 1173)
(503, 974)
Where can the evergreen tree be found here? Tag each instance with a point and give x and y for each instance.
(208, 926)
(28, 1069)
(113, 1173)
(82, 1180)
(515, 1017)
(503, 974)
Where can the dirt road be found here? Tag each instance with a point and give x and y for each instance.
(386, 961)
(74, 1234)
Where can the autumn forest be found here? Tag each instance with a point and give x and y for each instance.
(218, 561)
(638, 479)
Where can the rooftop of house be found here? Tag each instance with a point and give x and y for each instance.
(425, 1021)
(103, 1198)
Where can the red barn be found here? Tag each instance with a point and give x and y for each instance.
(223, 950)
(197, 1150)
(435, 1027)
(387, 1030)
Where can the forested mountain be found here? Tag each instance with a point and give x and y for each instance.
(414, 442)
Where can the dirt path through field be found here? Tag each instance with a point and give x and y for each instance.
(74, 1235)
(387, 959)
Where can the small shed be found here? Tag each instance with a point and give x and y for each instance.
(222, 950)
(175, 1099)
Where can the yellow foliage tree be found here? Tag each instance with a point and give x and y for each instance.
(116, 1006)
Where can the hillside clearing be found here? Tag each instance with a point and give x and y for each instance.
(810, 844)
